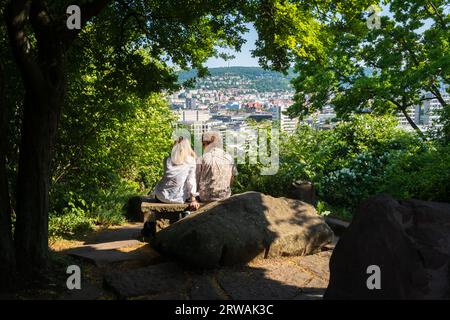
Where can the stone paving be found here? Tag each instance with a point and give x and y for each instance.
(127, 268)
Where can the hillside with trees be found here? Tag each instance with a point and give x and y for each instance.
(255, 78)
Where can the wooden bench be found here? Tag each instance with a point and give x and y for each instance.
(147, 209)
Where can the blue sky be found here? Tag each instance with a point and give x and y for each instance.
(243, 58)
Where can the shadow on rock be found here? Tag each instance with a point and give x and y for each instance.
(243, 227)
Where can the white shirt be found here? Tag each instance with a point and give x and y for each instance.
(178, 182)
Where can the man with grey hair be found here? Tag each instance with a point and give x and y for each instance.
(215, 169)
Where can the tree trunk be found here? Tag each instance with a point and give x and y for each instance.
(404, 109)
(44, 81)
(7, 258)
(41, 64)
(39, 129)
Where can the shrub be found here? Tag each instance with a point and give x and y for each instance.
(73, 219)
(419, 173)
(360, 178)
(121, 156)
(360, 157)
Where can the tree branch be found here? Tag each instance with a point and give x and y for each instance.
(50, 55)
(437, 13)
(88, 11)
(40, 20)
(435, 91)
(17, 16)
(403, 109)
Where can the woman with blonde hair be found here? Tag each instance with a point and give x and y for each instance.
(178, 184)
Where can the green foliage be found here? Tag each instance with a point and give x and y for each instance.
(105, 157)
(115, 126)
(358, 158)
(359, 179)
(248, 78)
(113, 137)
(419, 173)
(384, 70)
(74, 218)
(325, 209)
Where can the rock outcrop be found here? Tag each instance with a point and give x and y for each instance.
(245, 226)
(409, 240)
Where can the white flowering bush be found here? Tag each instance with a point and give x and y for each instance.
(347, 186)
(361, 157)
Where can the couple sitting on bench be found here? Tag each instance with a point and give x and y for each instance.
(188, 179)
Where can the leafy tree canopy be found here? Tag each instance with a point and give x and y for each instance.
(386, 69)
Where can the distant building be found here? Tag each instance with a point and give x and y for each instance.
(198, 128)
(191, 103)
(221, 117)
(403, 122)
(287, 124)
(325, 117)
(233, 106)
(254, 106)
(427, 113)
(260, 117)
(424, 115)
(177, 106)
(187, 116)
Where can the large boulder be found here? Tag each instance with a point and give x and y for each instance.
(242, 227)
(409, 240)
